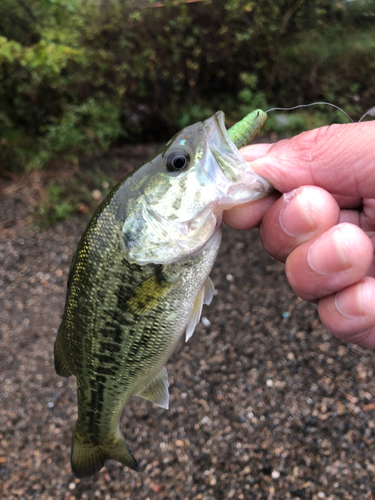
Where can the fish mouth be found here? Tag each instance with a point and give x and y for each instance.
(226, 154)
(219, 116)
(228, 169)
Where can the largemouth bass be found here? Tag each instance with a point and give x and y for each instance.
(140, 276)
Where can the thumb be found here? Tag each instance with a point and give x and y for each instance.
(338, 158)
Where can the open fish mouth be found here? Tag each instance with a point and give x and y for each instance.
(227, 168)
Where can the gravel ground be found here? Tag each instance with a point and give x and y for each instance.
(264, 403)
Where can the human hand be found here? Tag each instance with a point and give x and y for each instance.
(323, 227)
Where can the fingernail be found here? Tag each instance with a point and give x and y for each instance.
(350, 302)
(327, 254)
(254, 151)
(295, 218)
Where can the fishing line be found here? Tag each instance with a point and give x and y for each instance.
(317, 103)
(370, 112)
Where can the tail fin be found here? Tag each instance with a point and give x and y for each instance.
(88, 458)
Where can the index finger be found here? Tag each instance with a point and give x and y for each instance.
(337, 158)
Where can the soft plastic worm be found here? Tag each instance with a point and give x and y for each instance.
(245, 130)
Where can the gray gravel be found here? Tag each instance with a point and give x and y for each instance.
(264, 403)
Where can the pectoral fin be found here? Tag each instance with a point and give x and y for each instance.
(156, 391)
(204, 297)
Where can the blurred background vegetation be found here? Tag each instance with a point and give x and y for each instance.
(79, 76)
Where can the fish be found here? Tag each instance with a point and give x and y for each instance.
(140, 276)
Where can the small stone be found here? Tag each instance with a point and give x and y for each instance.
(213, 481)
(83, 208)
(156, 487)
(206, 321)
(96, 194)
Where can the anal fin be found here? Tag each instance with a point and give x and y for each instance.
(204, 296)
(156, 391)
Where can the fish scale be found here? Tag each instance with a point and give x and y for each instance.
(138, 281)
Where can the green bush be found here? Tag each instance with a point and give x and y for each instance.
(79, 75)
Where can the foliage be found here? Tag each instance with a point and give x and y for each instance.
(58, 206)
(79, 75)
(80, 193)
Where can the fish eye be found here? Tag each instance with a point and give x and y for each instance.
(177, 161)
